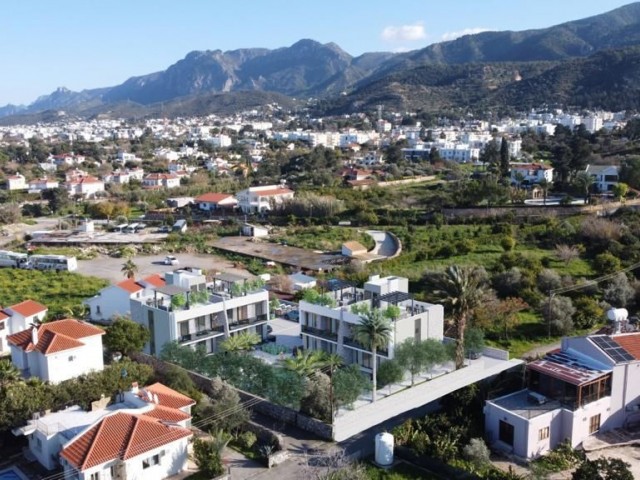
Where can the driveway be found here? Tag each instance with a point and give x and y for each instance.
(110, 268)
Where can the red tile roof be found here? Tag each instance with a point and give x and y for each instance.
(28, 308)
(630, 342)
(129, 285)
(55, 336)
(155, 280)
(120, 436)
(213, 197)
(272, 192)
(3, 316)
(167, 397)
(167, 414)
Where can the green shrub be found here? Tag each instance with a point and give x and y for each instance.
(247, 440)
(508, 243)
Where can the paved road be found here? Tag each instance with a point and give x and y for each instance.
(110, 268)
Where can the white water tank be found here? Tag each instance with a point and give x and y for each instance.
(617, 314)
(384, 449)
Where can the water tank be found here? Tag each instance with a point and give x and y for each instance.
(384, 449)
(617, 314)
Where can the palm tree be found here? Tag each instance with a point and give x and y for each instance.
(544, 185)
(583, 181)
(240, 342)
(373, 331)
(306, 363)
(460, 290)
(129, 268)
(8, 373)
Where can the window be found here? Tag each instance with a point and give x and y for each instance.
(72, 358)
(1, 325)
(594, 424)
(543, 433)
(95, 476)
(98, 309)
(148, 462)
(505, 433)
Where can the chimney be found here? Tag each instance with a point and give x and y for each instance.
(34, 335)
(134, 388)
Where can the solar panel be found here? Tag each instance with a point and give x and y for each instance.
(612, 348)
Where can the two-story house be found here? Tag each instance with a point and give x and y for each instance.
(19, 317)
(143, 435)
(16, 182)
(40, 184)
(199, 314)
(605, 177)
(85, 187)
(530, 173)
(262, 199)
(329, 327)
(161, 180)
(589, 385)
(209, 202)
(57, 351)
(115, 300)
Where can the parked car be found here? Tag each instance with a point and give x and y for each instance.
(164, 229)
(292, 315)
(171, 260)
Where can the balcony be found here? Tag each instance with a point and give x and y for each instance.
(248, 321)
(318, 332)
(190, 337)
(350, 342)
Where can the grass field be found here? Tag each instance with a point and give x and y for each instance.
(401, 471)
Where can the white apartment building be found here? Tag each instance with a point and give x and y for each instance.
(328, 328)
(219, 141)
(590, 385)
(199, 314)
(57, 351)
(262, 199)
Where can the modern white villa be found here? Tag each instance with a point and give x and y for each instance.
(197, 313)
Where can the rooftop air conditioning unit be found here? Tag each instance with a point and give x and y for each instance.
(536, 398)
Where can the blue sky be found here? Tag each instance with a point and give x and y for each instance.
(82, 44)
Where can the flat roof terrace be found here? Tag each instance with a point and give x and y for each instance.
(286, 255)
(524, 405)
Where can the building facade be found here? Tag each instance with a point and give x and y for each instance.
(201, 314)
(262, 199)
(329, 328)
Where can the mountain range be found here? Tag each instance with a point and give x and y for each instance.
(592, 62)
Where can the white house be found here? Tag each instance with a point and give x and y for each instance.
(590, 385)
(530, 172)
(197, 314)
(41, 184)
(57, 351)
(66, 159)
(115, 299)
(124, 157)
(124, 176)
(605, 177)
(300, 281)
(161, 180)
(18, 317)
(144, 435)
(329, 327)
(215, 201)
(16, 182)
(85, 186)
(262, 199)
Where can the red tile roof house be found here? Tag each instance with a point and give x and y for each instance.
(215, 201)
(19, 317)
(115, 299)
(144, 435)
(57, 351)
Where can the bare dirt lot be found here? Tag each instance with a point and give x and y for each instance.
(110, 268)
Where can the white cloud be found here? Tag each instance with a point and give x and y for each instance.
(404, 33)
(467, 31)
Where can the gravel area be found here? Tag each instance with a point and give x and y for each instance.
(110, 268)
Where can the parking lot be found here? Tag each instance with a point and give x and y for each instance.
(286, 332)
(111, 268)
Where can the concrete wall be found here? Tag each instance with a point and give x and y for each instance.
(88, 358)
(112, 301)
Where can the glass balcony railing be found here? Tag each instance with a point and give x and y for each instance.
(318, 332)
